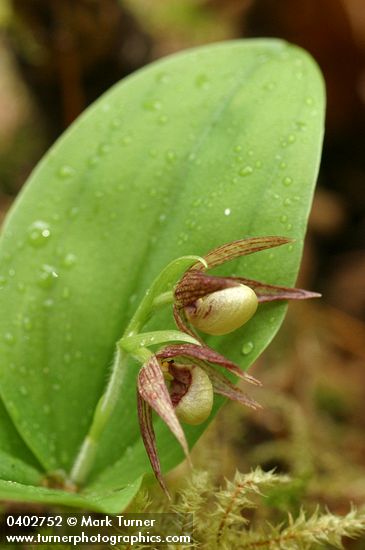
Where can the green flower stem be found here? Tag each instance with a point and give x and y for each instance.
(106, 404)
(163, 299)
(102, 413)
(155, 297)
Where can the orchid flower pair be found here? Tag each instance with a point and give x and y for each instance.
(178, 381)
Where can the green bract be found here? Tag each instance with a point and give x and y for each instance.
(196, 150)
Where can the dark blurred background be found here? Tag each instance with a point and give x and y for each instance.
(58, 56)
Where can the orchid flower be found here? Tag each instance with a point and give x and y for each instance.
(218, 305)
(178, 384)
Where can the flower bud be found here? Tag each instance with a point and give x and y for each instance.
(223, 311)
(196, 404)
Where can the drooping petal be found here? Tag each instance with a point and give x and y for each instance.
(235, 249)
(204, 353)
(270, 293)
(181, 324)
(149, 439)
(152, 389)
(224, 387)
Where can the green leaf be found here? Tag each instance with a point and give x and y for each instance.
(13, 469)
(10, 441)
(109, 501)
(196, 150)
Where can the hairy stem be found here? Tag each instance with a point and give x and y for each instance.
(106, 404)
(102, 413)
(155, 297)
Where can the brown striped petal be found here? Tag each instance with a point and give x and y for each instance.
(224, 387)
(152, 389)
(149, 439)
(270, 293)
(236, 249)
(204, 353)
(196, 284)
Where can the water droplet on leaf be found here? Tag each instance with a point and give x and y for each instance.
(38, 233)
(171, 156)
(287, 181)
(66, 171)
(104, 148)
(47, 276)
(163, 78)
(246, 171)
(301, 125)
(126, 140)
(163, 119)
(202, 82)
(69, 260)
(247, 348)
(152, 105)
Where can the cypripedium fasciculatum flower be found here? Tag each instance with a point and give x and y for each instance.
(178, 383)
(219, 305)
